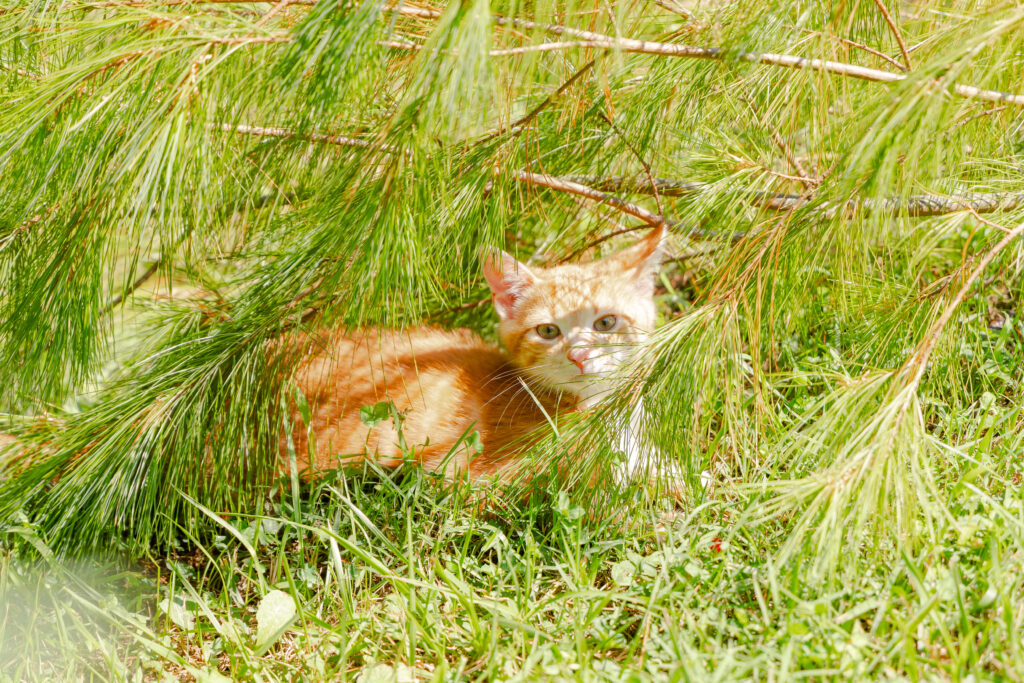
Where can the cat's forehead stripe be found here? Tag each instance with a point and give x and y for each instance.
(563, 293)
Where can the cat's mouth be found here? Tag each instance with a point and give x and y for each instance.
(598, 366)
(587, 375)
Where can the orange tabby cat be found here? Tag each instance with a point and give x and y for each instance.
(565, 329)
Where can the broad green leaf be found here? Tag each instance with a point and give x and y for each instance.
(375, 414)
(275, 614)
(623, 572)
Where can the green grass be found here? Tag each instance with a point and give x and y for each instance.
(398, 574)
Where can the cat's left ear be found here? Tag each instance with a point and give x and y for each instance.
(642, 260)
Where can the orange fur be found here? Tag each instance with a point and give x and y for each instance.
(448, 384)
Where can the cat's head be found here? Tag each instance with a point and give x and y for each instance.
(568, 327)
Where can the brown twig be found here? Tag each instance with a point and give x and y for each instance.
(521, 124)
(304, 293)
(277, 132)
(967, 118)
(649, 217)
(572, 187)
(21, 72)
(804, 177)
(604, 238)
(639, 157)
(924, 350)
(851, 43)
(895, 32)
(674, 8)
(694, 254)
(139, 281)
(21, 229)
(464, 307)
(985, 221)
(274, 11)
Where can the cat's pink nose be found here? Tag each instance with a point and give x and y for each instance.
(578, 356)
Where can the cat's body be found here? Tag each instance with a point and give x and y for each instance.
(566, 330)
(445, 386)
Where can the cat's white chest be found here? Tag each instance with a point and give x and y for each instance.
(640, 458)
(642, 461)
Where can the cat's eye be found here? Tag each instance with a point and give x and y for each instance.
(548, 331)
(605, 323)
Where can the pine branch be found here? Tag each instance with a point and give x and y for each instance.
(919, 359)
(598, 40)
(600, 189)
(278, 132)
(573, 187)
(543, 180)
(919, 206)
(21, 72)
(592, 40)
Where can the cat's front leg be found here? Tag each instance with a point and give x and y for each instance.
(643, 461)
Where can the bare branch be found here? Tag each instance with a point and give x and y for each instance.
(276, 132)
(967, 118)
(547, 47)
(600, 189)
(600, 41)
(991, 95)
(572, 187)
(649, 217)
(921, 205)
(589, 39)
(851, 43)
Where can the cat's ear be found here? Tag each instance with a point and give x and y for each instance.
(508, 278)
(642, 260)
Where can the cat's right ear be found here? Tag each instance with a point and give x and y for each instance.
(508, 278)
